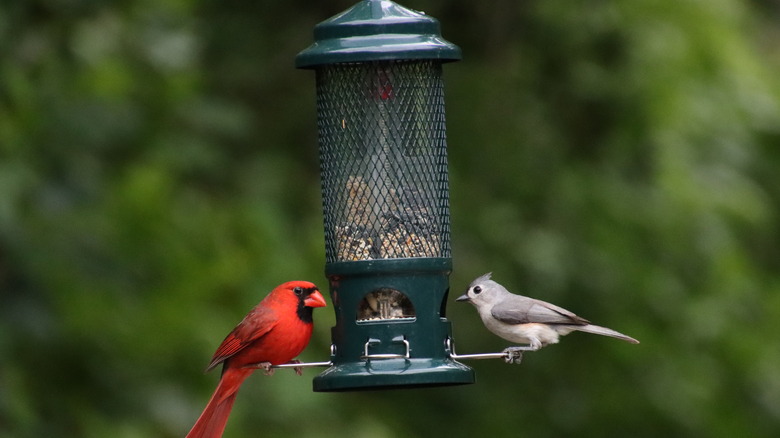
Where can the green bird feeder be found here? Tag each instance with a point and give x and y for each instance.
(383, 156)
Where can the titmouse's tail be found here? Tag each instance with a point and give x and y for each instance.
(598, 330)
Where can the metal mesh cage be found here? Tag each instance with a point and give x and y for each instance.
(383, 157)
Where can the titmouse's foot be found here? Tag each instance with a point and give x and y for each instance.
(298, 370)
(514, 355)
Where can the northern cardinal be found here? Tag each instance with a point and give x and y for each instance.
(526, 320)
(273, 333)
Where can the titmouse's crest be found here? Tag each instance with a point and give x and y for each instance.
(482, 283)
(485, 277)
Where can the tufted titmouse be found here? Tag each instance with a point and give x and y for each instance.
(525, 320)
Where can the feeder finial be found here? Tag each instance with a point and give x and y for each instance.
(374, 30)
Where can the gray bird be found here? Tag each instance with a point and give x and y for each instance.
(525, 320)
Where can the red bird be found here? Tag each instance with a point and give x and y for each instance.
(273, 333)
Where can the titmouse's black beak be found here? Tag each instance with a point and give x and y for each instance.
(463, 297)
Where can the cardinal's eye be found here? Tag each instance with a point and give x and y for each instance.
(298, 290)
(477, 290)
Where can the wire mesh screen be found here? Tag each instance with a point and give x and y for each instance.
(383, 157)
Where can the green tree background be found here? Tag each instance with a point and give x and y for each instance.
(159, 174)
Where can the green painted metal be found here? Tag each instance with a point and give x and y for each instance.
(425, 282)
(376, 30)
(385, 196)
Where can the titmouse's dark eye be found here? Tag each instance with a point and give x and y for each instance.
(477, 290)
(298, 290)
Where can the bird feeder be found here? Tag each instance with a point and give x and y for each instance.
(385, 192)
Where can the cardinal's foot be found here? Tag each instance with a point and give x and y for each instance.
(265, 366)
(298, 370)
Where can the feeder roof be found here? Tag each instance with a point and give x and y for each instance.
(377, 30)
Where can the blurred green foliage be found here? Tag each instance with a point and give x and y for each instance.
(158, 175)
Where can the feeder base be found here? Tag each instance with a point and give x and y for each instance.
(393, 374)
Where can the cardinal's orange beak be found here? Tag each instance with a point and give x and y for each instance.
(315, 299)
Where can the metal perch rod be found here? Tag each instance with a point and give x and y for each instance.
(510, 355)
(303, 365)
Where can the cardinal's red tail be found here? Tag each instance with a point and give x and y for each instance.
(212, 421)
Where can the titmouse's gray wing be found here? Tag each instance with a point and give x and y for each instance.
(517, 309)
